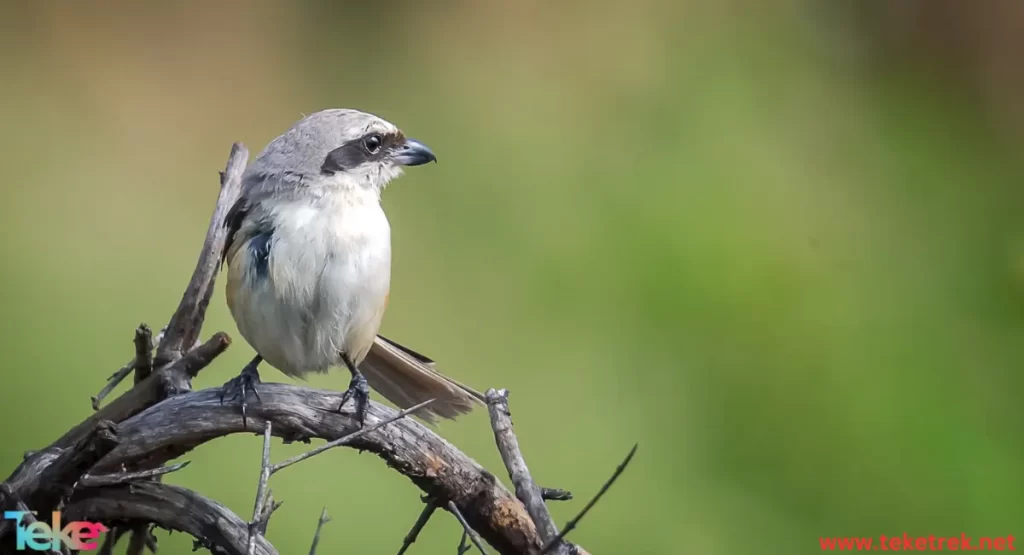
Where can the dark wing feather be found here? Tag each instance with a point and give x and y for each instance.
(421, 358)
(233, 221)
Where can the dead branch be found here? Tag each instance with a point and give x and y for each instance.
(90, 481)
(170, 507)
(143, 340)
(597, 497)
(553, 494)
(417, 527)
(175, 366)
(143, 352)
(467, 530)
(46, 478)
(113, 381)
(324, 519)
(261, 491)
(179, 424)
(526, 489)
(183, 329)
(464, 545)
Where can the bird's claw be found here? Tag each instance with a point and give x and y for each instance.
(358, 390)
(239, 386)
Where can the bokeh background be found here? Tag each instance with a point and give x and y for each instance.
(781, 247)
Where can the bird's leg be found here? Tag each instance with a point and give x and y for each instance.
(358, 389)
(247, 380)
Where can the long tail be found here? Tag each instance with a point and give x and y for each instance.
(406, 378)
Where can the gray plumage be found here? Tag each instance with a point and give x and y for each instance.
(309, 257)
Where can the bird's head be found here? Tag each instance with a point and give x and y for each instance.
(339, 149)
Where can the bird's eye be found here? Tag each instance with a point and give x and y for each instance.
(372, 143)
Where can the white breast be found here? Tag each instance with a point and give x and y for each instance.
(327, 285)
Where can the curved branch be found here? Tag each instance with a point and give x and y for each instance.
(170, 507)
(179, 424)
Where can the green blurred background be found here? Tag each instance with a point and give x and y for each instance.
(780, 247)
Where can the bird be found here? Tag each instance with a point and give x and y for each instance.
(308, 261)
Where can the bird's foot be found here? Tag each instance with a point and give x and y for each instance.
(237, 387)
(358, 390)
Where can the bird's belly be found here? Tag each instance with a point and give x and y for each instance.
(350, 305)
(323, 294)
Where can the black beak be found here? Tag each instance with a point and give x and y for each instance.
(414, 153)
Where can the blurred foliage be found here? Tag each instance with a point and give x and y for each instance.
(780, 250)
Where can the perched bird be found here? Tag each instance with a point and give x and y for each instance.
(309, 263)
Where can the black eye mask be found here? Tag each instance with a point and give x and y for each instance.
(371, 147)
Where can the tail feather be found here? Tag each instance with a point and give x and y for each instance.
(407, 378)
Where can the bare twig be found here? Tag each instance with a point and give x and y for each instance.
(116, 378)
(183, 328)
(268, 510)
(113, 381)
(553, 494)
(569, 526)
(110, 541)
(143, 352)
(90, 481)
(138, 541)
(346, 439)
(417, 527)
(324, 519)
(203, 355)
(174, 378)
(261, 489)
(142, 535)
(508, 445)
(473, 537)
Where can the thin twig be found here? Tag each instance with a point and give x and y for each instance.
(425, 515)
(201, 356)
(171, 379)
(116, 378)
(569, 526)
(554, 494)
(527, 489)
(324, 519)
(111, 540)
(345, 439)
(268, 510)
(465, 527)
(143, 352)
(113, 381)
(139, 540)
(90, 481)
(261, 490)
